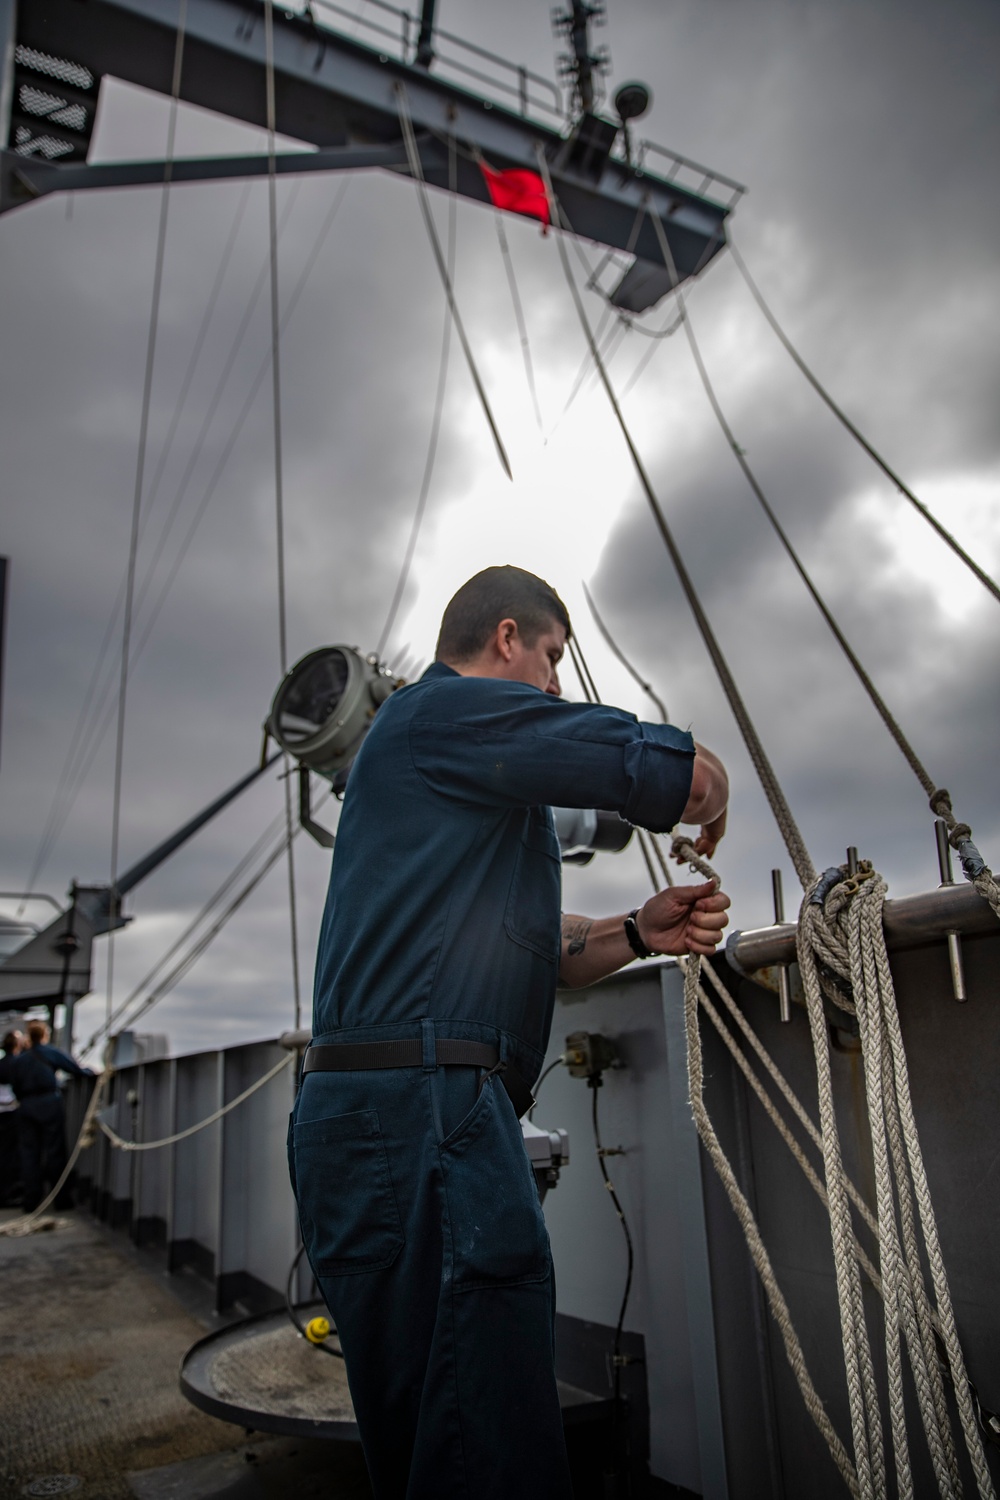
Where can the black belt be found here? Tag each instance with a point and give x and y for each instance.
(344, 1057)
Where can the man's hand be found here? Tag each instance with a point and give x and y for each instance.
(708, 840)
(684, 918)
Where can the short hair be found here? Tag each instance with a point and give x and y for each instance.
(496, 594)
(9, 1042)
(37, 1032)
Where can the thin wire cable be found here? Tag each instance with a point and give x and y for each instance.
(915, 764)
(432, 445)
(522, 327)
(619, 653)
(187, 962)
(795, 844)
(147, 391)
(536, 1089)
(151, 618)
(82, 745)
(279, 491)
(574, 646)
(417, 173)
(859, 438)
(616, 1357)
(218, 895)
(195, 356)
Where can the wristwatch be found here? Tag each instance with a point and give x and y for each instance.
(635, 942)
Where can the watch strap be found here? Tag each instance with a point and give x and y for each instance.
(635, 942)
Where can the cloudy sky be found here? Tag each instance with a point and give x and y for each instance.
(867, 134)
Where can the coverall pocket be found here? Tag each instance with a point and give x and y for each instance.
(497, 1229)
(347, 1207)
(528, 916)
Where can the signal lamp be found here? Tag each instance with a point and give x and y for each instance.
(324, 708)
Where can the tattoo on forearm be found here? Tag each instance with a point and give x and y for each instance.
(574, 931)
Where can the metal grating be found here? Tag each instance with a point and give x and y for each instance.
(55, 102)
(55, 67)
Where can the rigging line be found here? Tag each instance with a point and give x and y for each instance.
(615, 332)
(608, 311)
(147, 390)
(182, 1135)
(432, 445)
(173, 978)
(619, 653)
(279, 489)
(416, 171)
(210, 491)
(217, 395)
(575, 646)
(654, 882)
(860, 439)
(641, 365)
(213, 900)
(658, 335)
(522, 327)
(769, 781)
(878, 702)
(87, 703)
(578, 668)
(195, 356)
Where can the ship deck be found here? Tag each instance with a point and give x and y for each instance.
(93, 1337)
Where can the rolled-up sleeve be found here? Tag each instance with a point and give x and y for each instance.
(481, 741)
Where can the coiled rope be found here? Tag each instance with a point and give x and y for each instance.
(840, 924)
(895, 1145)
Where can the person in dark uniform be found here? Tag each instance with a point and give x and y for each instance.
(42, 1115)
(435, 983)
(10, 1165)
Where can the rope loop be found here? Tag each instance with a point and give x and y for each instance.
(682, 849)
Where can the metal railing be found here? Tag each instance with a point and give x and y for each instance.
(510, 81)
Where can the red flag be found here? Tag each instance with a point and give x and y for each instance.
(518, 191)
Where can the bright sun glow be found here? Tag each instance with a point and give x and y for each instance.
(554, 519)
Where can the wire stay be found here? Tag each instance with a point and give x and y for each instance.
(858, 436)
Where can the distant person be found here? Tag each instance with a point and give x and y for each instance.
(10, 1165)
(42, 1115)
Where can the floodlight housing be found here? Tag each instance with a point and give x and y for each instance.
(632, 101)
(324, 708)
(584, 831)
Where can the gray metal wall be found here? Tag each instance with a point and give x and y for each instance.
(725, 1415)
(218, 1202)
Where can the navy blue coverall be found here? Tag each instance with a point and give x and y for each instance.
(418, 1207)
(41, 1120)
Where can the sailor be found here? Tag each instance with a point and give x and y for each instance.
(436, 974)
(42, 1115)
(10, 1166)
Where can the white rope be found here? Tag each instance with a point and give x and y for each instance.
(779, 1308)
(844, 930)
(29, 1223)
(182, 1135)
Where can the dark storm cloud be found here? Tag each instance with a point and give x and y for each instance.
(868, 138)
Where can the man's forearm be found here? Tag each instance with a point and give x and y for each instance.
(680, 919)
(592, 948)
